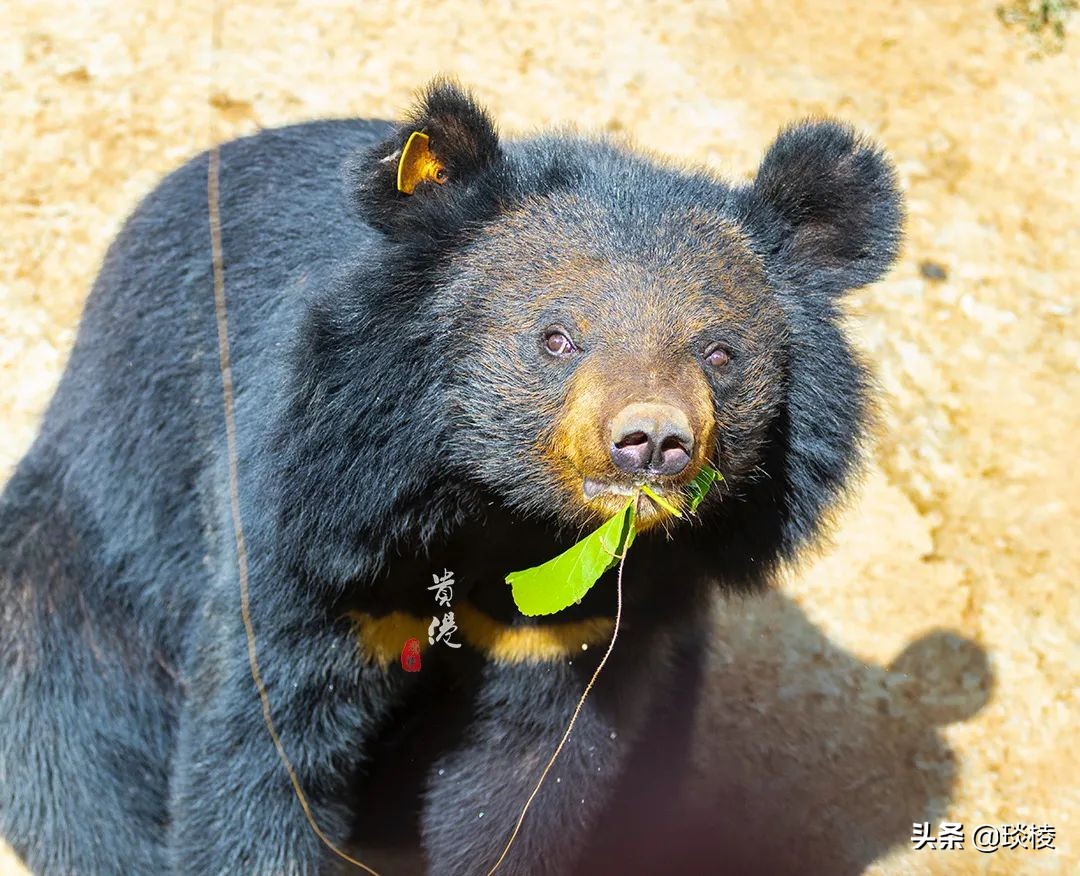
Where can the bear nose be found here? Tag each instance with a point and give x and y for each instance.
(651, 439)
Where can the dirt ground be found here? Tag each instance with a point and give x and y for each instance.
(925, 666)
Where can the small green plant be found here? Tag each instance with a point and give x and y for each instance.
(563, 580)
(1044, 20)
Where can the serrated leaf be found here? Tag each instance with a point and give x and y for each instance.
(563, 580)
(700, 485)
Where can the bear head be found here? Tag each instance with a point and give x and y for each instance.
(572, 321)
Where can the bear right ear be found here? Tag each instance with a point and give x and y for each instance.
(827, 204)
(428, 176)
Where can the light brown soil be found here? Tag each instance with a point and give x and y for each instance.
(967, 520)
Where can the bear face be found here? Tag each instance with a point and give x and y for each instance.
(642, 356)
(605, 321)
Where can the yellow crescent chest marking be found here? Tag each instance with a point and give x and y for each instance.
(382, 637)
(534, 643)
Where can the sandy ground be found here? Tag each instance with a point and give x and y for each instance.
(924, 667)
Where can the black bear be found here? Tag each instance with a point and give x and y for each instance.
(445, 367)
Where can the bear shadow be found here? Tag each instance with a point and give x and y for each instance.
(793, 755)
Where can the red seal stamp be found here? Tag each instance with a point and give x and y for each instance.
(410, 656)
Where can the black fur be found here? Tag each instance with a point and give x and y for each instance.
(388, 418)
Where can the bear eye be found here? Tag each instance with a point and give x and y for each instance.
(716, 356)
(557, 343)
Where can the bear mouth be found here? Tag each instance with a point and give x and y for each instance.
(593, 488)
(611, 496)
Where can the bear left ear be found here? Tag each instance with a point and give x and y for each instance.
(426, 177)
(828, 206)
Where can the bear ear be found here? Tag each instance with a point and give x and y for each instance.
(828, 205)
(426, 176)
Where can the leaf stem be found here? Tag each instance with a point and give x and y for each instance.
(660, 500)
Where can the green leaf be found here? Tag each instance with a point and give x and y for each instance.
(700, 486)
(562, 581)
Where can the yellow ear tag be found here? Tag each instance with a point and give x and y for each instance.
(417, 164)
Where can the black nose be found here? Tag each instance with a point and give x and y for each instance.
(651, 439)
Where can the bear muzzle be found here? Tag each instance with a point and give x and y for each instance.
(625, 426)
(651, 440)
